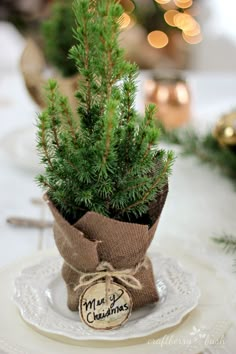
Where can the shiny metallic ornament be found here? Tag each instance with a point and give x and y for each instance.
(225, 130)
(172, 97)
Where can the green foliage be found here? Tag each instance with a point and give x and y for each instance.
(103, 159)
(228, 242)
(58, 38)
(205, 147)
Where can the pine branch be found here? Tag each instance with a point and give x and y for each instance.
(52, 109)
(55, 121)
(108, 135)
(42, 140)
(67, 113)
(228, 242)
(205, 147)
(162, 175)
(86, 66)
(84, 53)
(135, 186)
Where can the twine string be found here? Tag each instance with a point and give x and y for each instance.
(107, 271)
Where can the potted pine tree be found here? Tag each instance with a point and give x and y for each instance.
(37, 64)
(56, 47)
(106, 181)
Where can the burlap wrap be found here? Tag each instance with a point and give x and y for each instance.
(33, 67)
(95, 238)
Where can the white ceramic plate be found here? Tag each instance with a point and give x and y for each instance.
(210, 318)
(40, 294)
(20, 148)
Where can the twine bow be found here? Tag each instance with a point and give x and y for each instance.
(107, 271)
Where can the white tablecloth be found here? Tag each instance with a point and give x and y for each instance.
(201, 202)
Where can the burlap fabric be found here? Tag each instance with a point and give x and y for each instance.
(95, 238)
(33, 67)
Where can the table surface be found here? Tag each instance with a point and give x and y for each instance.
(201, 203)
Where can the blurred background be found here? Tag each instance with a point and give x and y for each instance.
(191, 34)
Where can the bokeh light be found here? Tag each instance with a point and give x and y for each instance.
(169, 17)
(181, 18)
(158, 39)
(194, 32)
(192, 39)
(128, 6)
(168, 6)
(184, 4)
(162, 2)
(185, 22)
(124, 20)
(181, 93)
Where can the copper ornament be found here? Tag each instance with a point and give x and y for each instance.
(172, 98)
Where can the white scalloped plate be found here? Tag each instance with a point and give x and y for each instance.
(40, 294)
(20, 148)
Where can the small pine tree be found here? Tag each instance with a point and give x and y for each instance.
(104, 159)
(58, 37)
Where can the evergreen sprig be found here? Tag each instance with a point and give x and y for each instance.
(103, 159)
(205, 147)
(228, 242)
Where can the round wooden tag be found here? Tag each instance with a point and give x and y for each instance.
(104, 312)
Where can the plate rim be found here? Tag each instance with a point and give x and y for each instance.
(103, 337)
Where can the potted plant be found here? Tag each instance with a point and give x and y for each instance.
(106, 181)
(56, 47)
(52, 60)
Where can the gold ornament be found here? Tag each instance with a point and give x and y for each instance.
(225, 130)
